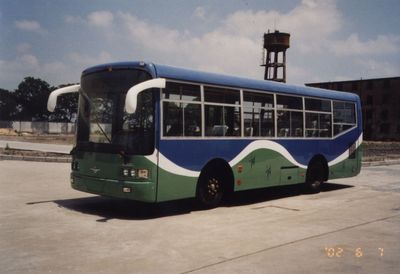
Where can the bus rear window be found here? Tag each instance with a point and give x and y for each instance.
(344, 116)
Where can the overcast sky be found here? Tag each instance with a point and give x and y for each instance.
(330, 40)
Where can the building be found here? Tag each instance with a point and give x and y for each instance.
(380, 99)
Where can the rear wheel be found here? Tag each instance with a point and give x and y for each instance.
(209, 190)
(314, 177)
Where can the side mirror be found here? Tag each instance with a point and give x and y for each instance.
(133, 92)
(52, 101)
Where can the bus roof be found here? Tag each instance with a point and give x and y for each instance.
(188, 75)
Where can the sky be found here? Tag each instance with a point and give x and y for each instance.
(331, 40)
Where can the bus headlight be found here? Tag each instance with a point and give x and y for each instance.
(125, 172)
(136, 173)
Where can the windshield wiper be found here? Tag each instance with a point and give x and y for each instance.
(120, 151)
(96, 118)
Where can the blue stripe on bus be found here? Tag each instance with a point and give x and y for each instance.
(194, 154)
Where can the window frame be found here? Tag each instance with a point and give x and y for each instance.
(355, 125)
(242, 107)
(259, 108)
(318, 112)
(162, 100)
(224, 106)
(283, 109)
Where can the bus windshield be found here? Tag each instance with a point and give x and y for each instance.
(103, 125)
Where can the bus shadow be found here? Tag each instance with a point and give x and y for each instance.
(111, 208)
(275, 193)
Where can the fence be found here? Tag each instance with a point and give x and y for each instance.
(39, 127)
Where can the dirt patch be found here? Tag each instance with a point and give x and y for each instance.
(8, 132)
(32, 153)
(47, 139)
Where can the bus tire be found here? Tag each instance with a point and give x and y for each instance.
(210, 190)
(314, 177)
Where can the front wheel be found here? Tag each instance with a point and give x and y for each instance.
(314, 177)
(209, 190)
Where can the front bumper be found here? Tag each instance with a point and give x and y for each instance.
(143, 191)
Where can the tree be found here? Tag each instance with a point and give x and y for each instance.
(31, 97)
(29, 103)
(8, 105)
(67, 107)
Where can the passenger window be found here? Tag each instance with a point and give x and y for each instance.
(317, 105)
(338, 128)
(258, 122)
(181, 110)
(222, 113)
(258, 114)
(192, 119)
(289, 102)
(222, 121)
(181, 92)
(318, 125)
(173, 119)
(344, 116)
(290, 123)
(221, 95)
(344, 112)
(182, 119)
(251, 99)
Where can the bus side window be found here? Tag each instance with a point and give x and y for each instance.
(192, 119)
(318, 118)
(344, 117)
(258, 114)
(222, 121)
(222, 112)
(290, 123)
(181, 110)
(173, 116)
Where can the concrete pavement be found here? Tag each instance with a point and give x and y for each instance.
(353, 226)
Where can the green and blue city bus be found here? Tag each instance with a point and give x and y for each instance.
(155, 133)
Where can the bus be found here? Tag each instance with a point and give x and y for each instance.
(155, 133)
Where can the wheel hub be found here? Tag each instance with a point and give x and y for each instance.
(213, 186)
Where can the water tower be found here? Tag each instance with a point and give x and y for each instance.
(274, 55)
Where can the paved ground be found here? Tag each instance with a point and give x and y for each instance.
(353, 226)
